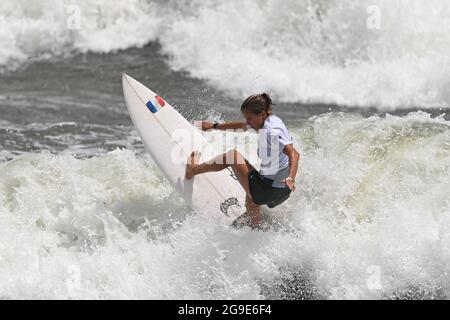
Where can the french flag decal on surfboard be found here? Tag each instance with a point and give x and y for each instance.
(152, 107)
(160, 101)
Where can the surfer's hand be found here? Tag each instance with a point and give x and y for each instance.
(289, 183)
(206, 125)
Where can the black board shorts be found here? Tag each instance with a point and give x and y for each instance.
(262, 191)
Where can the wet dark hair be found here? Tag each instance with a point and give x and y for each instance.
(257, 103)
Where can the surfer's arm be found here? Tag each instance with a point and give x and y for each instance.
(294, 157)
(234, 125)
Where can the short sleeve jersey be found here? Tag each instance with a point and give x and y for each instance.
(272, 138)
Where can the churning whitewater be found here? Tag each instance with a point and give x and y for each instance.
(308, 51)
(85, 213)
(373, 202)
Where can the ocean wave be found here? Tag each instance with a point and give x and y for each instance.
(369, 220)
(360, 53)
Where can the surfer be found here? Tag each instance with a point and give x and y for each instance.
(275, 181)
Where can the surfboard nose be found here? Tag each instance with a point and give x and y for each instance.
(129, 79)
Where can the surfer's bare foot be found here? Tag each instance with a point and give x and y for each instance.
(192, 162)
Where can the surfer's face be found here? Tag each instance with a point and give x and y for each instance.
(256, 121)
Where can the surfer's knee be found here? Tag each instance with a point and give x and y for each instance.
(234, 157)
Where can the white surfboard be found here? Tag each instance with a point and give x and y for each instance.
(170, 139)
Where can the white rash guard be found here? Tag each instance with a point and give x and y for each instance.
(272, 138)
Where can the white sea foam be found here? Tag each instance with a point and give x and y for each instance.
(308, 51)
(370, 219)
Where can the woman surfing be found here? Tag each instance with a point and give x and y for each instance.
(275, 181)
